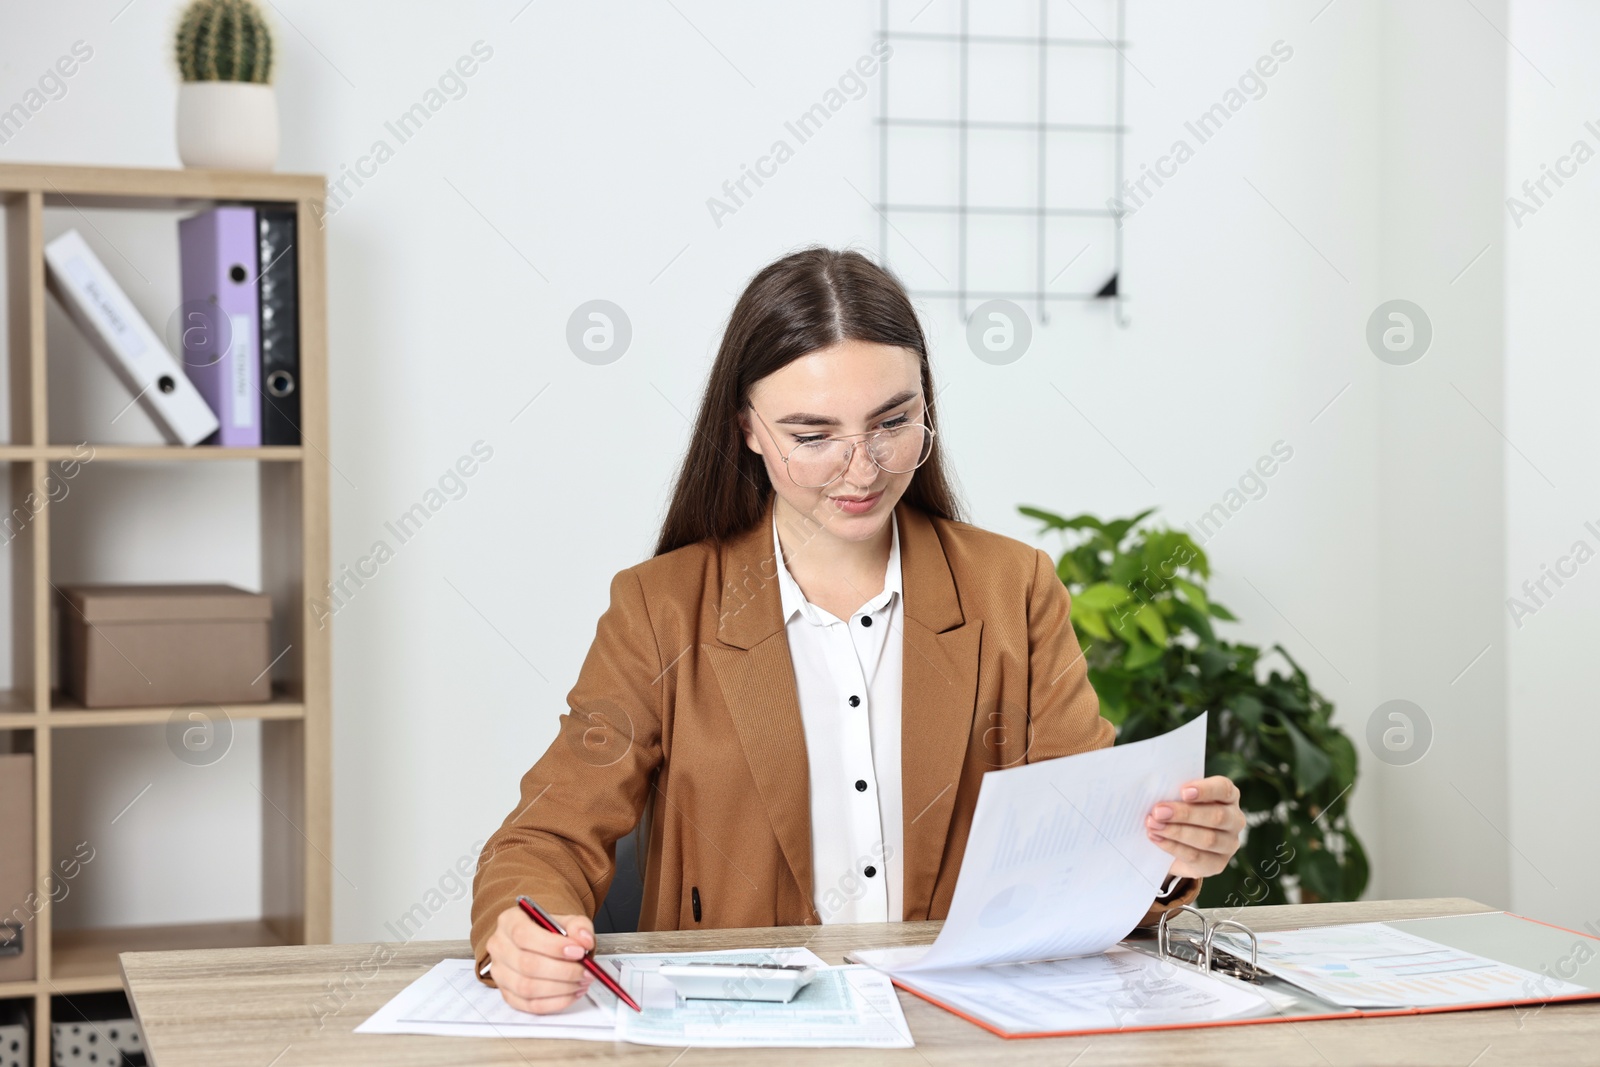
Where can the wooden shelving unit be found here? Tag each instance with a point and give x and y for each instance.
(295, 773)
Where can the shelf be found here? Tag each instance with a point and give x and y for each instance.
(85, 961)
(291, 513)
(147, 453)
(13, 990)
(143, 187)
(16, 712)
(64, 711)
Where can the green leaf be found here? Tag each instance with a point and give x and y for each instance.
(1188, 617)
(1122, 624)
(1220, 612)
(1119, 528)
(1149, 620)
(1228, 764)
(1142, 654)
(1343, 755)
(1056, 522)
(1246, 707)
(1213, 662)
(1257, 794)
(1311, 764)
(1102, 596)
(1266, 852)
(1113, 694)
(1070, 572)
(1192, 593)
(1049, 518)
(1129, 569)
(1090, 621)
(1320, 873)
(1356, 870)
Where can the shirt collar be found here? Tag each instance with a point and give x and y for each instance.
(794, 600)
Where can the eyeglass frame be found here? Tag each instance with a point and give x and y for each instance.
(851, 454)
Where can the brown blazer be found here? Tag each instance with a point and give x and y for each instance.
(687, 700)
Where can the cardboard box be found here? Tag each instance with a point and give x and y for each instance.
(17, 912)
(148, 645)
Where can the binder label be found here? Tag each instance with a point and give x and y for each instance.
(243, 401)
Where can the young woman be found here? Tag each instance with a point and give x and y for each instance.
(801, 691)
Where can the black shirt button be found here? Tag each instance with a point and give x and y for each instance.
(861, 785)
(866, 620)
(870, 871)
(855, 701)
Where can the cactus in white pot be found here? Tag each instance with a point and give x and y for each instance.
(227, 114)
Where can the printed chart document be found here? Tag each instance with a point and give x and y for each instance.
(841, 1007)
(1373, 965)
(1057, 861)
(450, 1002)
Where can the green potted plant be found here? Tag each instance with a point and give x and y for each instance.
(1147, 626)
(227, 114)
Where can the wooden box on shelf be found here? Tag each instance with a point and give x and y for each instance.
(295, 826)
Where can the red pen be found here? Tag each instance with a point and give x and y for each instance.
(540, 916)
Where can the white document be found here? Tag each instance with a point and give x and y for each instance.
(1111, 990)
(449, 1001)
(108, 318)
(842, 1007)
(1057, 862)
(1373, 965)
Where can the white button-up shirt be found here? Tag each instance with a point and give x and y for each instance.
(848, 675)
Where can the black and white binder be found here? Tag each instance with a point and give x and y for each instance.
(278, 280)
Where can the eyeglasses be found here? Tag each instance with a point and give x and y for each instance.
(897, 449)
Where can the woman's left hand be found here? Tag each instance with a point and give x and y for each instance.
(1201, 830)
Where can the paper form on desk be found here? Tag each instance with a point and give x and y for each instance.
(448, 1001)
(1373, 965)
(841, 1007)
(1057, 862)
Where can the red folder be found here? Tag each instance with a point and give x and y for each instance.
(1568, 955)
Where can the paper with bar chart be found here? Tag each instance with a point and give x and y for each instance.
(1057, 861)
(1373, 965)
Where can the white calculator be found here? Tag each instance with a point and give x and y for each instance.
(776, 982)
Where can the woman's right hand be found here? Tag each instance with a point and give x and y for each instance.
(538, 971)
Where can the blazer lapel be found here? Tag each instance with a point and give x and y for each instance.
(938, 699)
(757, 679)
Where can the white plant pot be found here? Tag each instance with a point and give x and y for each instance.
(230, 125)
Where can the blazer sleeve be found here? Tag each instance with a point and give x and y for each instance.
(1063, 708)
(558, 845)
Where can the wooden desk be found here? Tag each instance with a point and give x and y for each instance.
(260, 1006)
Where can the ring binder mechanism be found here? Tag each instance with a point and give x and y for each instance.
(1203, 957)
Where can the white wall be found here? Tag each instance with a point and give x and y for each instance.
(1551, 383)
(1441, 519)
(577, 167)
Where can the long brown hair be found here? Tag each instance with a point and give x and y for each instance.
(805, 301)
